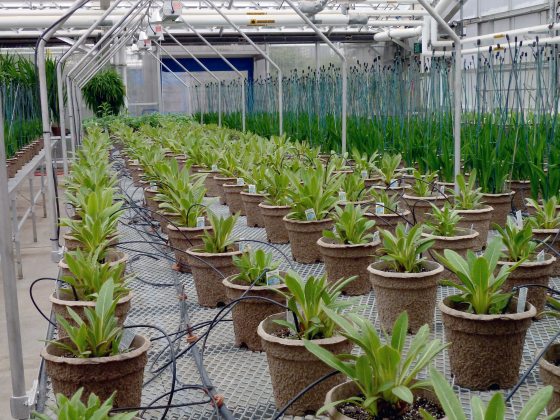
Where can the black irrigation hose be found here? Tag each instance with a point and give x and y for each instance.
(31, 286)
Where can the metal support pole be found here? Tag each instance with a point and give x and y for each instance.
(340, 54)
(457, 86)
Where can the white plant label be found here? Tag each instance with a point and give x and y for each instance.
(407, 227)
(310, 214)
(240, 182)
(364, 174)
(379, 208)
(334, 230)
(241, 245)
(442, 189)
(200, 222)
(126, 340)
(273, 278)
(252, 189)
(153, 185)
(375, 237)
(522, 300)
(394, 183)
(519, 219)
(540, 256)
(214, 168)
(342, 195)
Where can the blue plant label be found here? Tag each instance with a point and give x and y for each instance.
(127, 338)
(342, 195)
(200, 222)
(364, 174)
(310, 214)
(273, 278)
(522, 300)
(379, 208)
(252, 189)
(240, 182)
(214, 168)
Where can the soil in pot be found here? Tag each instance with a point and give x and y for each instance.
(486, 350)
(415, 293)
(252, 210)
(208, 271)
(501, 204)
(303, 236)
(220, 181)
(183, 238)
(421, 206)
(343, 261)
(248, 314)
(531, 272)
(549, 366)
(478, 220)
(233, 198)
(273, 218)
(292, 368)
(123, 373)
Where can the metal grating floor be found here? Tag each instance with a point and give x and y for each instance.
(241, 375)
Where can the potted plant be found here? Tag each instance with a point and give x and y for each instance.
(275, 206)
(348, 249)
(384, 376)
(388, 176)
(474, 213)
(292, 368)
(530, 268)
(403, 280)
(386, 211)
(422, 195)
(94, 356)
(258, 274)
(482, 323)
(104, 93)
(229, 172)
(545, 221)
(254, 194)
(213, 260)
(353, 191)
(313, 197)
(549, 369)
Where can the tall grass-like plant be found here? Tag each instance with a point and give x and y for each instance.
(104, 93)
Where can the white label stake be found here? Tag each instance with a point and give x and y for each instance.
(522, 300)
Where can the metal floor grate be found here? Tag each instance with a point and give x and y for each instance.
(241, 375)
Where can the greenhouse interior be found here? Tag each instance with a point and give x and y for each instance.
(280, 209)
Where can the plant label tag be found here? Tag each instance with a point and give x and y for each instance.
(342, 195)
(126, 340)
(472, 226)
(273, 278)
(334, 230)
(252, 189)
(214, 168)
(240, 182)
(394, 183)
(379, 208)
(540, 256)
(310, 214)
(375, 237)
(153, 185)
(241, 244)
(364, 174)
(522, 300)
(200, 222)
(519, 219)
(442, 189)
(407, 227)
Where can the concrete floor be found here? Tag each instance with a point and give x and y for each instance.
(36, 263)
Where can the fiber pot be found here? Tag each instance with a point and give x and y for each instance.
(220, 181)
(304, 235)
(66, 300)
(415, 293)
(251, 204)
(208, 282)
(346, 260)
(233, 198)
(550, 374)
(248, 314)
(552, 237)
(195, 169)
(485, 350)
(501, 204)
(113, 257)
(420, 206)
(273, 218)
(168, 219)
(479, 220)
(389, 221)
(394, 190)
(210, 183)
(123, 373)
(183, 238)
(149, 198)
(522, 190)
(292, 367)
(532, 272)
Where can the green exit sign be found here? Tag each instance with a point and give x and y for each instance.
(417, 48)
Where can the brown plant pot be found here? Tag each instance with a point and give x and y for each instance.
(210, 183)
(233, 198)
(195, 169)
(345, 260)
(370, 182)
(415, 293)
(220, 181)
(502, 206)
(367, 203)
(485, 350)
(389, 221)
(478, 220)
(149, 199)
(123, 373)
(532, 272)
(251, 204)
(303, 236)
(167, 219)
(183, 238)
(421, 206)
(552, 237)
(248, 314)
(273, 218)
(207, 281)
(66, 300)
(397, 190)
(550, 374)
(522, 190)
(292, 367)
(113, 257)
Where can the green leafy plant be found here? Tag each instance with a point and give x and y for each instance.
(443, 222)
(546, 216)
(354, 187)
(184, 199)
(388, 168)
(496, 407)
(104, 89)
(253, 266)
(74, 409)
(350, 226)
(385, 373)
(99, 335)
(219, 239)
(480, 287)
(308, 301)
(278, 187)
(403, 249)
(517, 240)
(363, 162)
(423, 184)
(469, 197)
(390, 202)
